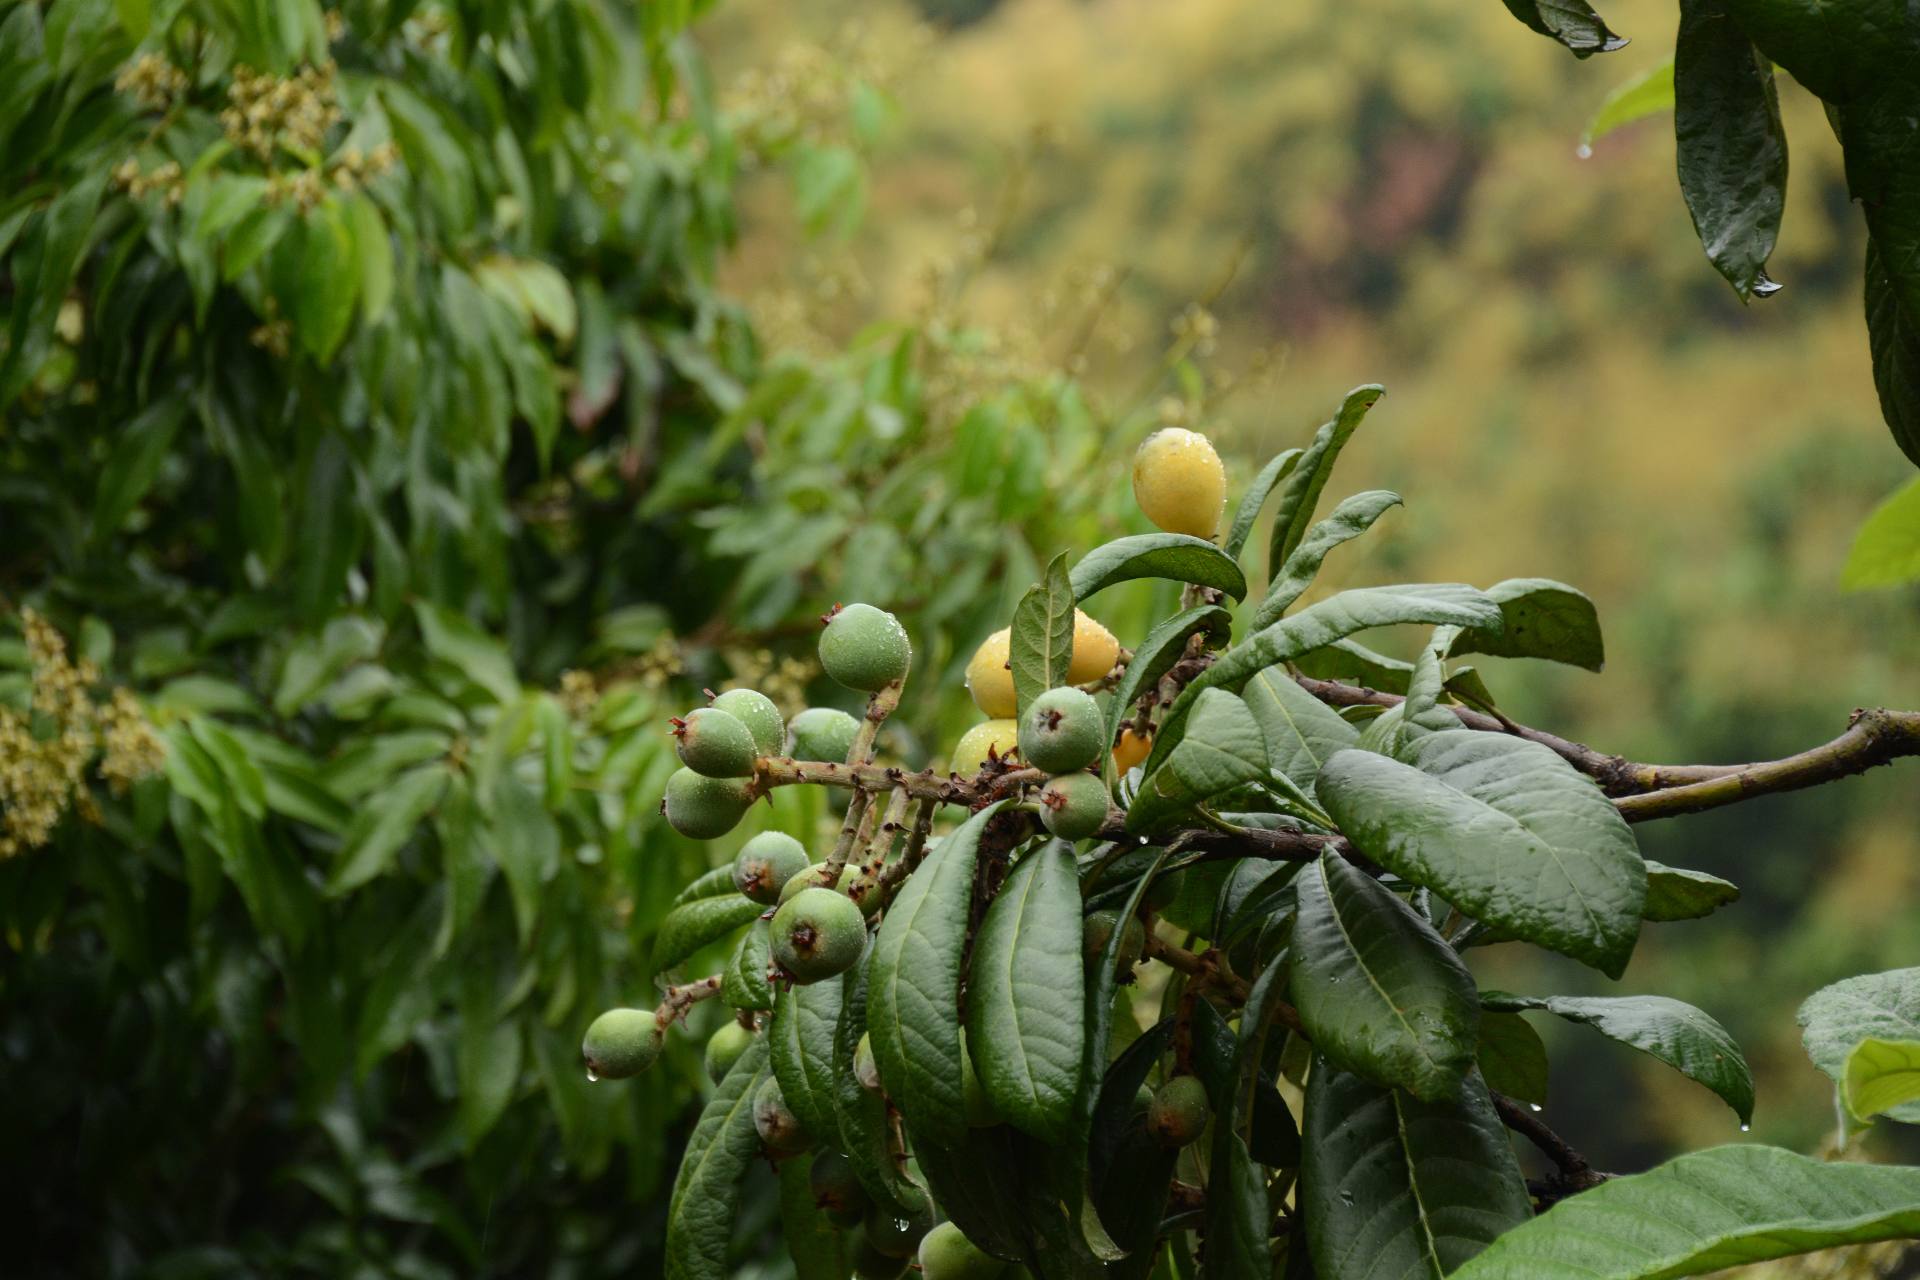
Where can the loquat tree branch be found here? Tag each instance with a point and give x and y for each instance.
(1576, 1174)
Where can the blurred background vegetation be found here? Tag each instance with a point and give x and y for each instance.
(682, 337)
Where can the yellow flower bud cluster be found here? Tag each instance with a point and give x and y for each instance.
(44, 755)
(166, 181)
(152, 81)
(268, 112)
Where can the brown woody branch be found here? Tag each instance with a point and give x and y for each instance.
(1576, 1174)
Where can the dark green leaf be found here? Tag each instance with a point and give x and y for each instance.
(329, 282)
(528, 847)
(1540, 618)
(1393, 1186)
(866, 1123)
(1301, 493)
(1504, 829)
(1876, 1006)
(745, 984)
(1512, 1059)
(488, 1054)
(1178, 556)
(1723, 1207)
(1679, 893)
(818, 1249)
(914, 989)
(383, 823)
(1381, 994)
(702, 1217)
(1572, 22)
(1222, 749)
(1041, 643)
(1353, 517)
(1732, 146)
(1237, 1211)
(800, 1045)
(135, 462)
(1248, 513)
(1155, 655)
(697, 924)
(1893, 339)
(43, 267)
(1674, 1032)
(1025, 994)
(1355, 663)
(460, 644)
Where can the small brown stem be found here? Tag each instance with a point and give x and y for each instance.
(1575, 1173)
(673, 1007)
(879, 707)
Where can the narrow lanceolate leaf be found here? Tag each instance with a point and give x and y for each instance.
(385, 822)
(1024, 995)
(1572, 22)
(1301, 731)
(1874, 1006)
(1882, 1075)
(800, 1048)
(1723, 1207)
(1382, 995)
(1237, 1212)
(1395, 1187)
(701, 1218)
(1301, 493)
(1436, 604)
(1163, 647)
(1671, 1030)
(1177, 556)
(1893, 339)
(1222, 749)
(1041, 643)
(1680, 893)
(1353, 517)
(1635, 98)
(1512, 1058)
(744, 983)
(1540, 618)
(140, 448)
(1247, 514)
(1504, 829)
(1732, 147)
(702, 921)
(913, 990)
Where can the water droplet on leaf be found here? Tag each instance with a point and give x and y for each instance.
(1536, 1106)
(1746, 1128)
(1584, 151)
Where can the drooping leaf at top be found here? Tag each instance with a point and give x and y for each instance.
(1247, 514)
(1300, 493)
(1353, 517)
(1571, 22)
(1681, 893)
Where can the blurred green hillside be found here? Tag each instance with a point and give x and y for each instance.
(1390, 191)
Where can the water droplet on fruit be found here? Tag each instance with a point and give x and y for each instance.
(592, 1078)
(1536, 1106)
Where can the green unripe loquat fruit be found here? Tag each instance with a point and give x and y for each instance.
(621, 1043)
(703, 808)
(1179, 482)
(756, 711)
(1063, 731)
(724, 1048)
(781, 1132)
(1098, 929)
(1073, 806)
(895, 1236)
(946, 1254)
(871, 1264)
(865, 1069)
(822, 733)
(765, 863)
(864, 648)
(997, 739)
(817, 934)
(714, 744)
(814, 877)
(1179, 1112)
(836, 1189)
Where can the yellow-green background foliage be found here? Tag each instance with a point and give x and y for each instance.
(1390, 190)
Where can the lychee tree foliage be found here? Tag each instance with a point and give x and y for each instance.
(1297, 841)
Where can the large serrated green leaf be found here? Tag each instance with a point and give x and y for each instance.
(1674, 1032)
(1393, 1186)
(701, 1217)
(1353, 517)
(1540, 618)
(1162, 648)
(1436, 604)
(1731, 144)
(913, 993)
(1025, 992)
(1680, 893)
(1301, 493)
(1723, 1207)
(1504, 829)
(1178, 556)
(744, 984)
(1040, 644)
(1221, 750)
(1878, 1006)
(800, 1047)
(692, 926)
(1381, 994)
(1247, 514)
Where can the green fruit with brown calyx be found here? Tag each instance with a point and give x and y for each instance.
(713, 744)
(703, 808)
(781, 1132)
(818, 933)
(765, 863)
(871, 1264)
(1098, 930)
(1073, 806)
(1179, 1112)
(822, 733)
(1062, 731)
(814, 876)
(864, 648)
(621, 1043)
(836, 1189)
(897, 1233)
(724, 1048)
(756, 711)
(947, 1254)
